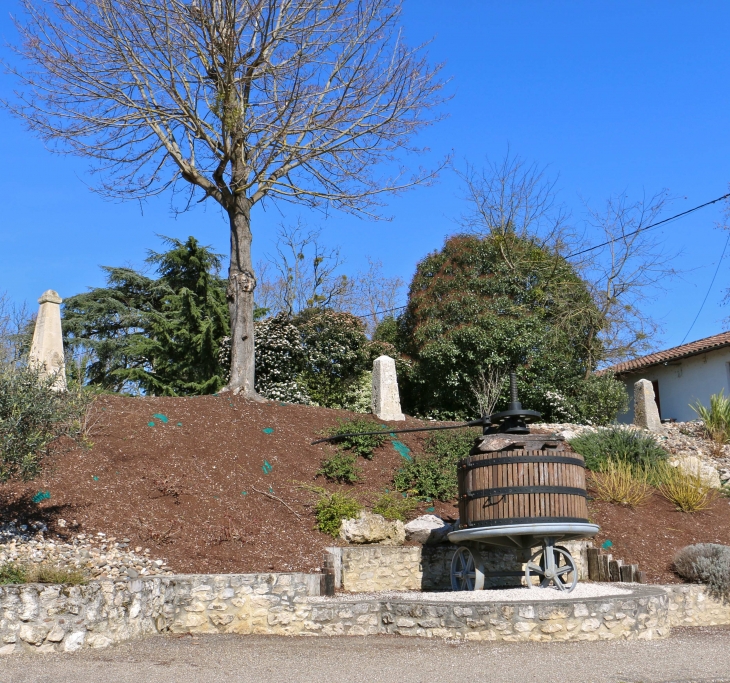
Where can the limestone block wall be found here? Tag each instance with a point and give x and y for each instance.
(369, 568)
(66, 618)
(642, 615)
(691, 605)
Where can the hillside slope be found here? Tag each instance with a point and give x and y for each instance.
(187, 488)
(192, 489)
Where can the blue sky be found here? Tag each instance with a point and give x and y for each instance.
(613, 96)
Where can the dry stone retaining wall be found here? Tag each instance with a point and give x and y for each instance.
(105, 612)
(64, 619)
(372, 568)
(691, 605)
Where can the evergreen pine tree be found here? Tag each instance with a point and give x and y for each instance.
(158, 336)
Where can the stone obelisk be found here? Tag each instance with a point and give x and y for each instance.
(386, 399)
(46, 351)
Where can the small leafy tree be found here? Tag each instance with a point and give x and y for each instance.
(33, 418)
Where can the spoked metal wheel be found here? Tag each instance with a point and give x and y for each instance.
(467, 570)
(552, 564)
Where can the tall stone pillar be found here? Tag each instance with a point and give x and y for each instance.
(646, 414)
(46, 351)
(386, 399)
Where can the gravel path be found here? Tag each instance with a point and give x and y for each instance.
(697, 655)
(581, 591)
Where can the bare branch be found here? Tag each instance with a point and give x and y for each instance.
(285, 99)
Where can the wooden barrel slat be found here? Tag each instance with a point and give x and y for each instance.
(479, 507)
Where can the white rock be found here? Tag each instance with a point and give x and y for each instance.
(372, 528)
(693, 465)
(46, 350)
(646, 413)
(427, 529)
(33, 634)
(98, 641)
(386, 399)
(74, 641)
(7, 650)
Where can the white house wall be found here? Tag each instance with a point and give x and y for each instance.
(682, 383)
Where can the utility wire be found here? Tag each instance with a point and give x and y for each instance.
(648, 227)
(605, 244)
(709, 289)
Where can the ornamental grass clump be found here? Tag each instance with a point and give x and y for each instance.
(622, 483)
(618, 443)
(689, 491)
(14, 573)
(707, 563)
(716, 419)
(360, 445)
(332, 508)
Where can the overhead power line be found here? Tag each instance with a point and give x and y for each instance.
(648, 227)
(709, 289)
(605, 244)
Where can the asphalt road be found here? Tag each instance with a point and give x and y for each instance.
(698, 655)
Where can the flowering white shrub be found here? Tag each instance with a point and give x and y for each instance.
(561, 408)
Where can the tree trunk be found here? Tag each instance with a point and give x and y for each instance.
(241, 285)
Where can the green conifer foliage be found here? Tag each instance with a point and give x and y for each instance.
(158, 336)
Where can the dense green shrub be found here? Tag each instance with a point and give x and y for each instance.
(433, 475)
(501, 301)
(707, 563)
(335, 348)
(340, 467)
(332, 508)
(11, 573)
(33, 417)
(599, 399)
(618, 443)
(395, 506)
(359, 445)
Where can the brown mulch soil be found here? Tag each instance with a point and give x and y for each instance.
(178, 488)
(650, 535)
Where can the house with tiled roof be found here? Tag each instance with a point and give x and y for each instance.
(680, 375)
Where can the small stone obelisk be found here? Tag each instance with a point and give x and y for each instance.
(646, 414)
(46, 351)
(386, 399)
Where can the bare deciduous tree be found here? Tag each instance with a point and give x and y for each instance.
(375, 296)
(516, 197)
(15, 330)
(487, 388)
(241, 100)
(625, 274)
(305, 274)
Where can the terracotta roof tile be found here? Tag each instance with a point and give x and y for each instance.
(717, 341)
